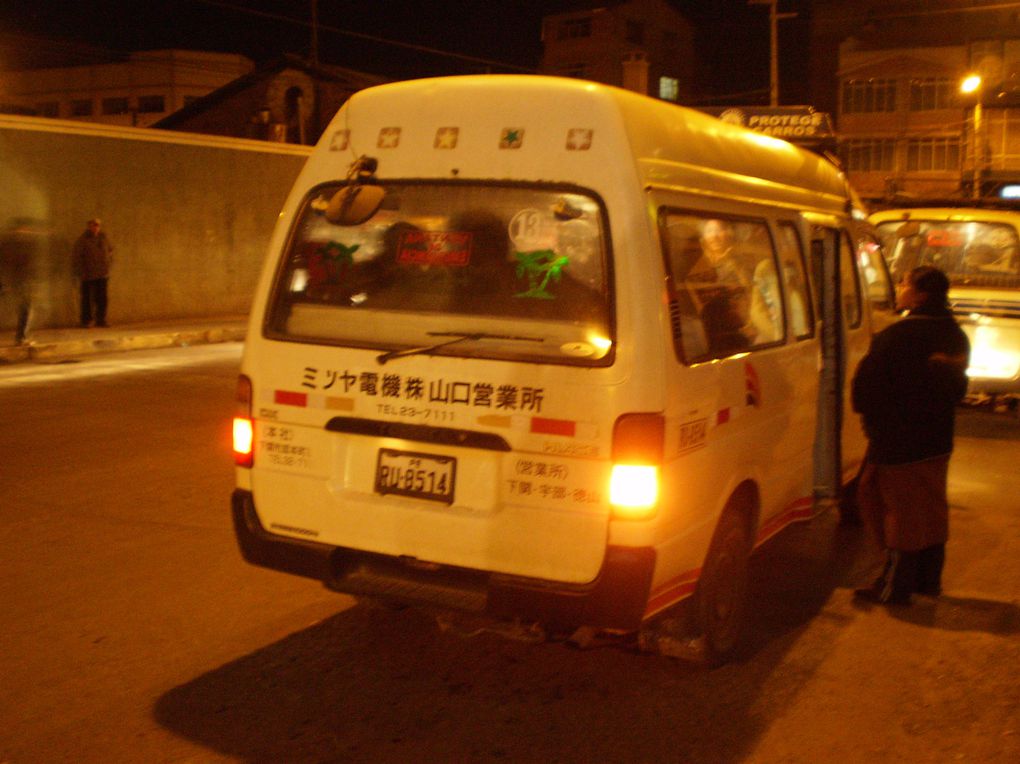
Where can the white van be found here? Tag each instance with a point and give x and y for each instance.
(546, 350)
(979, 249)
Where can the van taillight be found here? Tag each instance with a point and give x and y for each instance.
(637, 457)
(244, 427)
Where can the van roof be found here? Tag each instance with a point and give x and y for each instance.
(946, 214)
(538, 128)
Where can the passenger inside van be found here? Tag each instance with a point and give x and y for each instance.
(724, 292)
(986, 258)
(740, 300)
(728, 296)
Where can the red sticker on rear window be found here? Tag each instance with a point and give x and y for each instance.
(451, 248)
(940, 237)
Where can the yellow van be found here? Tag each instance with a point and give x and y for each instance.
(549, 351)
(979, 249)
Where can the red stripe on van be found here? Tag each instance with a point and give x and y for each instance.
(553, 426)
(287, 398)
(672, 591)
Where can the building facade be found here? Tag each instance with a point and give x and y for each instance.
(891, 70)
(641, 45)
(907, 131)
(137, 92)
(287, 100)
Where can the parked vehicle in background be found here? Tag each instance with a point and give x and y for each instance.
(979, 249)
(550, 354)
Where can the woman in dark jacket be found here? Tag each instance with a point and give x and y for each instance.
(906, 389)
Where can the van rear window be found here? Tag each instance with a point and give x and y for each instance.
(514, 272)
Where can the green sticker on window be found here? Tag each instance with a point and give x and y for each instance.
(539, 267)
(330, 262)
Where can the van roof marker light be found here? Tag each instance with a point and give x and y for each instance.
(446, 138)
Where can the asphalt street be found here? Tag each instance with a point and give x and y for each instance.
(134, 632)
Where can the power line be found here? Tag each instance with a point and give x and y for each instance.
(363, 36)
(839, 18)
(705, 100)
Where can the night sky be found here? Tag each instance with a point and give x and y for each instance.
(732, 36)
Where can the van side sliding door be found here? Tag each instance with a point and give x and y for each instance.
(826, 276)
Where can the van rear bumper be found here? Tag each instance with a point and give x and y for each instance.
(616, 599)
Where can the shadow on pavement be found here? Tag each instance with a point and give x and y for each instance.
(377, 685)
(962, 614)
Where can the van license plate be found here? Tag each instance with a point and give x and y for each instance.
(422, 476)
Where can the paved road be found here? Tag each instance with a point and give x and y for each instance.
(134, 632)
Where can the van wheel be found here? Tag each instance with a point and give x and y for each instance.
(722, 590)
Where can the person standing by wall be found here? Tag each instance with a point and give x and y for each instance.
(92, 257)
(22, 247)
(906, 389)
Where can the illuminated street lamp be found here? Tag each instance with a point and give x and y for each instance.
(971, 86)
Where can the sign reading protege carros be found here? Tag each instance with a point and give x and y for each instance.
(797, 124)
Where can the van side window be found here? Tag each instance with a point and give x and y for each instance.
(725, 291)
(876, 275)
(791, 255)
(850, 285)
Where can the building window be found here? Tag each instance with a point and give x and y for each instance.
(151, 104)
(81, 107)
(932, 93)
(574, 28)
(669, 88)
(869, 95)
(925, 154)
(577, 71)
(48, 109)
(870, 155)
(115, 106)
(635, 32)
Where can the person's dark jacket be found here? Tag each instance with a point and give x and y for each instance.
(92, 256)
(908, 385)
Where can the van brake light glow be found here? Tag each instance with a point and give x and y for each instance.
(637, 456)
(634, 490)
(244, 427)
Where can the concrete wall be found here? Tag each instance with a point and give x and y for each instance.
(189, 216)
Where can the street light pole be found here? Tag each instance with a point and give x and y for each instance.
(979, 151)
(315, 33)
(971, 85)
(774, 17)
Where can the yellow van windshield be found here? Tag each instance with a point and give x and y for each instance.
(971, 253)
(521, 271)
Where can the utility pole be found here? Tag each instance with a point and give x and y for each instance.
(315, 32)
(774, 18)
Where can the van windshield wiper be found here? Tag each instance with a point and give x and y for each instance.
(455, 337)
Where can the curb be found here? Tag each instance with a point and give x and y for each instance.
(42, 351)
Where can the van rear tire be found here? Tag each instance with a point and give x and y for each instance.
(721, 605)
